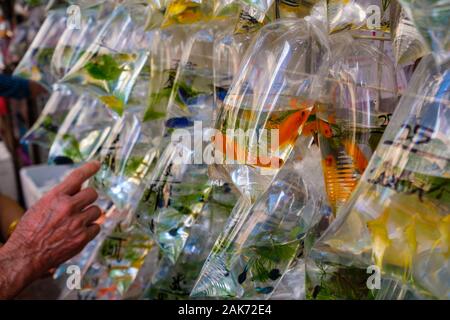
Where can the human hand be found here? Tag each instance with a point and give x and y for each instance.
(57, 227)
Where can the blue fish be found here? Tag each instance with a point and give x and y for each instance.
(173, 232)
(221, 93)
(62, 160)
(274, 274)
(265, 290)
(243, 276)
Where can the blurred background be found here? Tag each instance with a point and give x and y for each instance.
(19, 23)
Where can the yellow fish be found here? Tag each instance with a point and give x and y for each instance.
(411, 241)
(380, 237)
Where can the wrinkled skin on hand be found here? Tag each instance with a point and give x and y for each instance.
(54, 230)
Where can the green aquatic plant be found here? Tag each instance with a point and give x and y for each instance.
(341, 283)
(72, 148)
(105, 68)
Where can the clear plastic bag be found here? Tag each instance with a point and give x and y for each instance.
(133, 146)
(408, 44)
(74, 42)
(167, 48)
(46, 127)
(83, 132)
(173, 199)
(273, 95)
(228, 52)
(115, 264)
(399, 213)
(292, 284)
(175, 281)
(226, 8)
(192, 95)
(372, 15)
(111, 64)
(127, 157)
(35, 64)
(259, 245)
(431, 17)
(361, 98)
(85, 258)
(214, 265)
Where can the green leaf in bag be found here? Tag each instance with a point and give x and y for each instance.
(133, 165)
(72, 148)
(265, 257)
(155, 102)
(104, 68)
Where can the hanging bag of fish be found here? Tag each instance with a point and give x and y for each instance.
(408, 45)
(35, 64)
(250, 258)
(175, 281)
(166, 50)
(175, 38)
(361, 96)
(127, 156)
(431, 18)
(111, 64)
(174, 196)
(270, 101)
(192, 96)
(186, 184)
(83, 132)
(44, 130)
(82, 29)
(397, 221)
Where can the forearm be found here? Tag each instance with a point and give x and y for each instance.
(16, 271)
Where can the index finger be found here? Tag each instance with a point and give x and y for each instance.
(72, 184)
